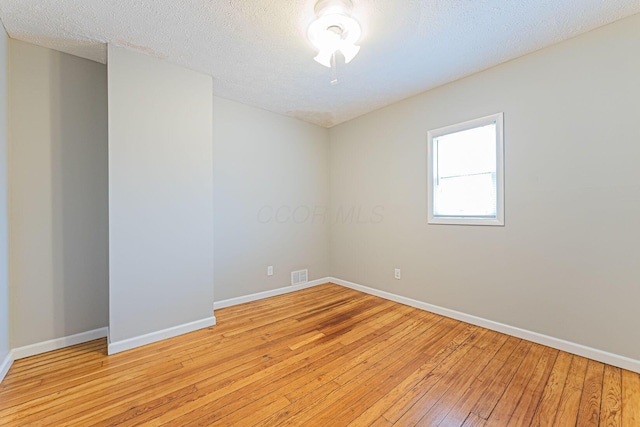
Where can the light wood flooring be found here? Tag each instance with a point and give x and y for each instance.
(324, 356)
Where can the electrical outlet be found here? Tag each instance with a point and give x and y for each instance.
(270, 270)
(396, 274)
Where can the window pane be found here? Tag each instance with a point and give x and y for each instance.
(472, 195)
(468, 152)
(465, 173)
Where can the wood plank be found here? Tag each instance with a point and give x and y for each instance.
(505, 407)
(383, 384)
(214, 386)
(589, 412)
(346, 383)
(154, 379)
(630, 399)
(452, 355)
(380, 349)
(380, 422)
(473, 420)
(546, 411)
(210, 393)
(410, 382)
(611, 397)
(227, 371)
(457, 382)
(496, 388)
(321, 356)
(253, 413)
(460, 410)
(325, 411)
(306, 339)
(571, 393)
(381, 357)
(526, 407)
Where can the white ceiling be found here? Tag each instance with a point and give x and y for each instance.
(258, 53)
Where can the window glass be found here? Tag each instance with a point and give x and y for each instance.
(465, 180)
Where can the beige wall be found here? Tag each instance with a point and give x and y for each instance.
(566, 263)
(160, 195)
(4, 256)
(58, 192)
(270, 178)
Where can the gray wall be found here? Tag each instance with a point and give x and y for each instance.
(58, 191)
(4, 256)
(160, 195)
(567, 262)
(270, 198)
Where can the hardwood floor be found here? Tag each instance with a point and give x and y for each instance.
(324, 356)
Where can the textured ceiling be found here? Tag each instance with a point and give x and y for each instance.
(258, 53)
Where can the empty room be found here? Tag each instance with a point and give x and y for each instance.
(320, 213)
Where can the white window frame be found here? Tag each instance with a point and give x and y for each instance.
(498, 119)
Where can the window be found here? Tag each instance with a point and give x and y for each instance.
(465, 173)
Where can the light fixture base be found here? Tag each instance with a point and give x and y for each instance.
(324, 7)
(334, 30)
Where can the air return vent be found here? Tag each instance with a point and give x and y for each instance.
(298, 277)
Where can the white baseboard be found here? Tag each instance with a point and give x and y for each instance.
(119, 346)
(5, 365)
(58, 343)
(557, 343)
(129, 343)
(266, 294)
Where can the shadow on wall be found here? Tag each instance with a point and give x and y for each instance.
(79, 188)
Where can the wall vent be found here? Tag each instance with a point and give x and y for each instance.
(298, 277)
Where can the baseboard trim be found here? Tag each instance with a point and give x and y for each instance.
(549, 341)
(5, 365)
(130, 343)
(58, 343)
(267, 294)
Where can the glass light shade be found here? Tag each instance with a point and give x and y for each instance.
(334, 31)
(324, 57)
(349, 51)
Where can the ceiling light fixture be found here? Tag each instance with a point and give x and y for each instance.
(334, 30)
